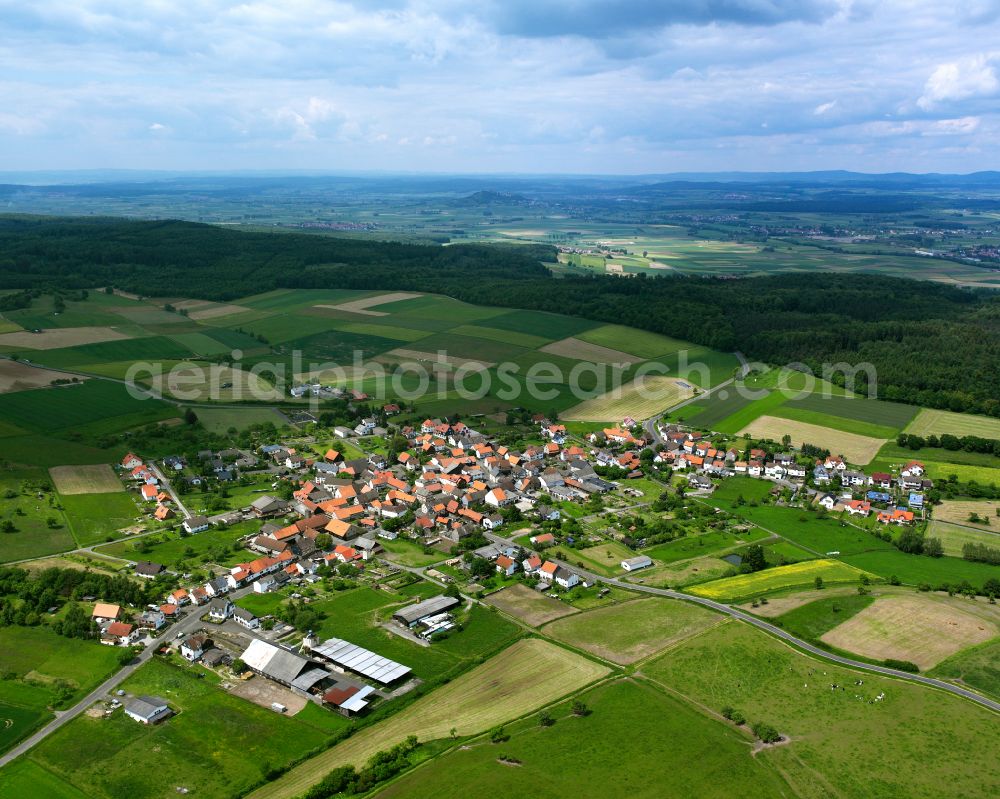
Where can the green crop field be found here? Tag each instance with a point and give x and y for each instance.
(201, 343)
(745, 413)
(641, 343)
(877, 412)
(539, 323)
(97, 755)
(18, 722)
(711, 410)
(339, 346)
(469, 347)
(219, 420)
(749, 488)
(674, 748)
(738, 666)
(778, 578)
(95, 517)
(72, 406)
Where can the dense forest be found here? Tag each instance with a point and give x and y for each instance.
(931, 344)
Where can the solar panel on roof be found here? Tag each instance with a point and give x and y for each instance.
(363, 661)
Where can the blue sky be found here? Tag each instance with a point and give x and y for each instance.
(591, 86)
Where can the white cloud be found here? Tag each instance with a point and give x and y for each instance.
(824, 108)
(959, 80)
(955, 127)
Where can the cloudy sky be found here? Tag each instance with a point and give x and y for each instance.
(594, 86)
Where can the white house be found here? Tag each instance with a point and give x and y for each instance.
(220, 609)
(193, 647)
(195, 524)
(246, 618)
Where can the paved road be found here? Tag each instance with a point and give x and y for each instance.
(187, 625)
(780, 633)
(166, 486)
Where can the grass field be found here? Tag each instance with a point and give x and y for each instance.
(640, 399)
(26, 778)
(653, 740)
(604, 558)
(779, 578)
(219, 420)
(634, 630)
(540, 323)
(711, 410)
(812, 619)
(820, 535)
(741, 413)
(953, 537)
(528, 675)
(977, 667)
(693, 546)
(529, 606)
(830, 731)
(96, 479)
(935, 422)
(217, 744)
(30, 511)
(921, 570)
(95, 517)
(854, 448)
(921, 629)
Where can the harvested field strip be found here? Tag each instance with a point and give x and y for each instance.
(57, 338)
(919, 629)
(16, 376)
(529, 674)
(958, 511)
(363, 305)
(583, 351)
(99, 479)
(640, 399)
(856, 449)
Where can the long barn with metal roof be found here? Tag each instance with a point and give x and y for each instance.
(357, 659)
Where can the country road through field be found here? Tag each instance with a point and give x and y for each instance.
(775, 631)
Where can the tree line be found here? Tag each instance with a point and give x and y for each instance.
(930, 344)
